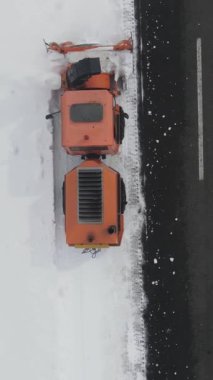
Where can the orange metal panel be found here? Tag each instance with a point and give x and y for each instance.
(88, 134)
(77, 233)
(99, 81)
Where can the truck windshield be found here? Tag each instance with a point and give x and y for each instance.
(86, 112)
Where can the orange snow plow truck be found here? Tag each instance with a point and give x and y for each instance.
(92, 126)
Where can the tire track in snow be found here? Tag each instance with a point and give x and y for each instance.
(137, 356)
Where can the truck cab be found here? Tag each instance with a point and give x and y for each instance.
(91, 121)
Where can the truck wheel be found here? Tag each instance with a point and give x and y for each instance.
(63, 198)
(123, 197)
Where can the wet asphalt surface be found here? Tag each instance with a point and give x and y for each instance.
(178, 236)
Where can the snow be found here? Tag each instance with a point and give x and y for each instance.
(63, 315)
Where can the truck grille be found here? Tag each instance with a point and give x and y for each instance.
(90, 195)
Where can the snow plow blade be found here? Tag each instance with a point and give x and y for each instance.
(70, 47)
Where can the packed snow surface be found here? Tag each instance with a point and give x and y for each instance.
(63, 315)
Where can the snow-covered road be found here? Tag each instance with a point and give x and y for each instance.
(63, 315)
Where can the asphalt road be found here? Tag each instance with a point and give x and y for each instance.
(175, 123)
(197, 33)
